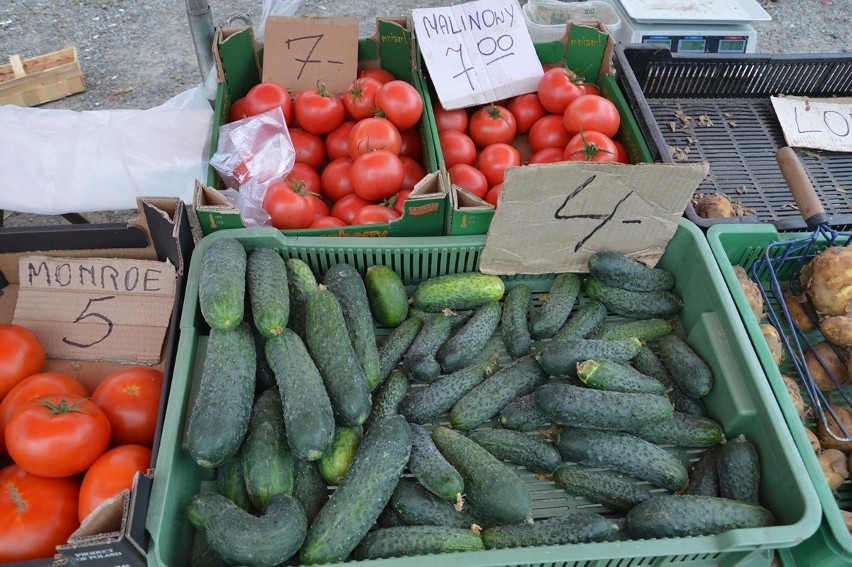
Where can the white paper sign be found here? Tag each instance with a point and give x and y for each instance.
(824, 124)
(477, 52)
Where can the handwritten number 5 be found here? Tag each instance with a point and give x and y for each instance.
(85, 314)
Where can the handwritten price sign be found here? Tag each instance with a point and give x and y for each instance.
(824, 124)
(477, 52)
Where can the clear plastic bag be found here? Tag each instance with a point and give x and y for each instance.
(275, 8)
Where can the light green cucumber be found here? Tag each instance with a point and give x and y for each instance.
(458, 291)
(465, 344)
(336, 460)
(549, 317)
(603, 374)
(387, 295)
(514, 324)
(269, 293)
(222, 283)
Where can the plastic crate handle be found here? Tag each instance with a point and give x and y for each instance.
(801, 187)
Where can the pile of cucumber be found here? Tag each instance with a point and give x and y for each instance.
(331, 441)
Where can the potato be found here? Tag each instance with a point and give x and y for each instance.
(826, 441)
(795, 395)
(830, 285)
(837, 329)
(834, 466)
(751, 291)
(714, 206)
(833, 362)
(801, 311)
(773, 341)
(812, 437)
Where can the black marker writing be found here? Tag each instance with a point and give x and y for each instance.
(604, 217)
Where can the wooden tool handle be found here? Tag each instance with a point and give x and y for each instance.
(800, 187)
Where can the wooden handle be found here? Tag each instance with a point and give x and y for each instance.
(800, 187)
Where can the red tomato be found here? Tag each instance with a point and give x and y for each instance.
(318, 111)
(493, 195)
(381, 75)
(412, 145)
(337, 141)
(287, 207)
(304, 178)
(110, 474)
(267, 95)
(130, 398)
(456, 119)
(592, 112)
(21, 354)
(320, 208)
(492, 125)
(526, 109)
(360, 98)
(591, 146)
(36, 513)
(621, 152)
(547, 155)
(377, 175)
(335, 179)
(590, 88)
(557, 88)
(57, 435)
(548, 132)
(374, 134)
(457, 148)
(34, 386)
(346, 207)
(401, 104)
(375, 214)
(495, 159)
(238, 109)
(412, 172)
(399, 201)
(310, 148)
(469, 178)
(326, 222)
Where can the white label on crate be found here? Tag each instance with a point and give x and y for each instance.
(477, 52)
(96, 308)
(822, 124)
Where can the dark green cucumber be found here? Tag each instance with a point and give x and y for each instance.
(603, 374)
(387, 295)
(635, 304)
(264, 376)
(531, 451)
(331, 349)
(686, 368)
(309, 487)
(302, 284)
(690, 515)
(308, 415)
(515, 327)
(620, 271)
(416, 540)
(487, 399)
(683, 430)
(362, 495)
(222, 283)
(614, 492)
(458, 291)
(241, 538)
(336, 460)
(494, 492)
(267, 458)
(703, 476)
(390, 519)
(431, 469)
(560, 357)
(389, 397)
(625, 453)
(231, 484)
(220, 415)
(583, 322)
(578, 526)
(523, 414)
(457, 318)
(427, 404)
(396, 345)
(465, 344)
(269, 293)
(549, 317)
(419, 362)
(649, 363)
(413, 505)
(642, 329)
(739, 470)
(344, 281)
(577, 406)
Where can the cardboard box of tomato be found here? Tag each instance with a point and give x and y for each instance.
(99, 299)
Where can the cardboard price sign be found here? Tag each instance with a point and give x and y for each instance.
(823, 124)
(477, 52)
(552, 217)
(300, 51)
(96, 308)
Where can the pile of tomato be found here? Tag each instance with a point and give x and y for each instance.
(64, 449)
(358, 152)
(566, 119)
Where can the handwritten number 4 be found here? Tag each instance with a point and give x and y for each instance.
(605, 217)
(85, 314)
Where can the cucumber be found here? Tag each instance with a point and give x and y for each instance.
(635, 304)
(431, 469)
(603, 374)
(419, 362)
(583, 322)
(362, 494)
(331, 349)
(241, 538)
(578, 526)
(231, 484)
(267, 459)
(220, 415)
(549, 317)
(649, 363)
(465, 344)
(703, 477)
(387, 295)
(515, 328)
(302, 283)
(739, 470)
(560, 357)
(523, 414)
(337, 459)
(396, 344)
(577, 406)
(427, 404)
(457, 318)
(389, 397)
(487, 399)
(642, 329)
(416, 540)
(309, 487)
(269, 294)
(625, 453)
(691, 515)
(494, 492)
(531, 451)
(413, 505)
(614, 492)
(222, 284)
(687, 369)
(457, 291)
(308, 415)
(264, 377)
(390, 519)
(620, 271)
(346, 284)
(683, 430)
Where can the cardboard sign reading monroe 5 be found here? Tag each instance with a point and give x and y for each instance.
(96, 308)
(823, 124)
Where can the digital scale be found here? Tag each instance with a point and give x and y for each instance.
(691, 26)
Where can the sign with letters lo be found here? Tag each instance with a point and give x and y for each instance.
(823, 123)
(96, 308)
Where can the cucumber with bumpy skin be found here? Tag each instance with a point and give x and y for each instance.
(231, 484)
(530, 451)
(560, 357)
(429, 466)
(635, 304)
(419, 362)
(396, 345)
(302, 283)
(336, 460)
(603, 374)
(583, 322)
(514, 324)
(222, 283)
(642, 329)
(686, 368)
(665, 516)
(620, 271)
(683, 430)
(309, 487)
(649, 363)
(269, 294)
(547, 319)
(703, 476)
(739, 470)
(523, 414)
(416, 540)
(616, 493)
(577, 526)
(458, 291)
(389, 397)
(465, 344)
(413, 505)
(266, 456)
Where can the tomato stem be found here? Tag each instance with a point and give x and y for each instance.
(63, 406)
(17, 498)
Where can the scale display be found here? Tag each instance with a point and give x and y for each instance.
(699, 44)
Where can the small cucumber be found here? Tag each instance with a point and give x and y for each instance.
(683, 430)
(703, 476)
(222, 283)
(387, 295)
(309, 487)
(389, 397)
(396, 344)
(583, 322)
(635, 304)
(413, 505)
(302, 283)
(264, 376)
(603, 374)
(458, 291)
(267, 458)
(269, 294)
(547, 319)
(739, 470)
(531, 451)
(431, 469)
(686, 368)
(523, 414)
(231, 484)
(620, 271)
(666, 516)
(416, 540)
(457, 318)
(615, 492)
(560, 357)
(642, 329)
(515, 327)
(336, 460)
(419, 362)
(465, 344)
(649, 363)
(578, 526)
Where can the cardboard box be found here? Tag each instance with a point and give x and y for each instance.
(115, 533)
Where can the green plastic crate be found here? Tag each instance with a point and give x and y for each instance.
(741, 401)
(743, 244)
